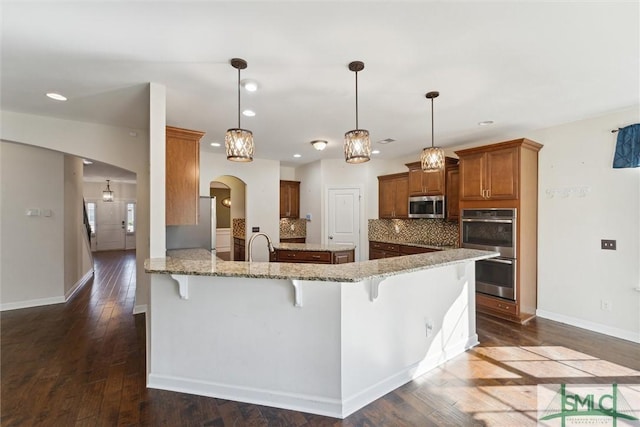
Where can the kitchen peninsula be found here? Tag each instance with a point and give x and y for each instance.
(324, 339)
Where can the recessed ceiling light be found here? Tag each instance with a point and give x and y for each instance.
(56, 96)
(87, 162)
(386, 141)
(485, 123)
(215, 144)
(249, 85)
(297, 156)
(375, 152)
(248, 113)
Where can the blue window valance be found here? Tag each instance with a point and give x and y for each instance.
(628, 147)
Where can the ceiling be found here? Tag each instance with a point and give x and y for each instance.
(523, 65)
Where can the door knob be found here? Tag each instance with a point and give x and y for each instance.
(330, 237)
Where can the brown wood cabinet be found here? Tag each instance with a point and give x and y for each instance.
(378, 250)
(505, 175)
(428, 183)
(393, 196)
(182, 182)
(293, 240)
(315, 257)
(289, 199)
(238, 249)
(489, 174)
(452, 211)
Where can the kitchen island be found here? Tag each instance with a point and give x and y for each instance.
(325, 339)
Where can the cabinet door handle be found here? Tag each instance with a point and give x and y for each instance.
(315, 256)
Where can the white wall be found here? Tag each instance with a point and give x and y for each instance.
(77, 258)
(262, 192)
(574, 274)
(32, 264)
(287, 173)
(103, 143)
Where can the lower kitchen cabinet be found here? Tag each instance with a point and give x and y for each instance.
(314, 257)
(378, 250)
(293, 240)
(490, 305)
(238, 249)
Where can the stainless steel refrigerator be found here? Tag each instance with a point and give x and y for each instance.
(202, 235)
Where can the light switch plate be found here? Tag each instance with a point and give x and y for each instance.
(608, 244)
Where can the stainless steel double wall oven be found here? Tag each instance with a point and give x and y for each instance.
(493, 230)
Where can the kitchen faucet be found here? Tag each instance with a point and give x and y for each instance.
(269, 244)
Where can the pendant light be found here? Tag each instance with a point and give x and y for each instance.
(238, 142)
(432, 159)
(357, 146)
(107, 195)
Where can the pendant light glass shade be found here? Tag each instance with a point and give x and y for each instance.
(432, 158)
(357, 145)
(107, 195)
(238, 142)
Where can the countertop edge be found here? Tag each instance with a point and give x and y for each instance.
(347, 273)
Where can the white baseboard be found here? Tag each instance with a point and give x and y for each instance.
(140, 308)
(590, 326)
(296, 402)
(31, 303)
(307, 403)
(84, 279)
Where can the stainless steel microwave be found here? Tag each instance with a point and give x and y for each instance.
(426, 207)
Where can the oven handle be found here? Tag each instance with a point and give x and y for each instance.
(501, 221)
(500, 260)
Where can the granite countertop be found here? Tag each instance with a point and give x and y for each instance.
(417, 244)
(312, 247)
(200, 262)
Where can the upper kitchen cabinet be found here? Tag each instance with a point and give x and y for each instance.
(492, 172)
(289, 199)
(393, 196)
(452, 212)
(182, 176)
(428, 183)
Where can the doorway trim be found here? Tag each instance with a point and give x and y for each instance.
(361, 241)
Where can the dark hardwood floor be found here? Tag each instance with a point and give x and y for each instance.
(83, 363)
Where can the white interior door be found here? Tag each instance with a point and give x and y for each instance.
(110, 226)
(343, 215)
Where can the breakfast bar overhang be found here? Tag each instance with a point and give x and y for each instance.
(324, 339)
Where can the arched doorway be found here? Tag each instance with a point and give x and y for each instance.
(229, 192)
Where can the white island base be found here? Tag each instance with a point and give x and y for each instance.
(342, 347)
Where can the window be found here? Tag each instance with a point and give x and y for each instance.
(131, 217)
(91, 214)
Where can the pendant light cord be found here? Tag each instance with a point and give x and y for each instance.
(431, 122)
(239, 99)
(357, 100)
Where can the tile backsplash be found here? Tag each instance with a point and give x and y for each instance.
(290, 227)
(238, 227)
(428, 231)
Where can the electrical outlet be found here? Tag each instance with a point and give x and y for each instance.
(429, 329)
(605, 305)
(608, 244)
